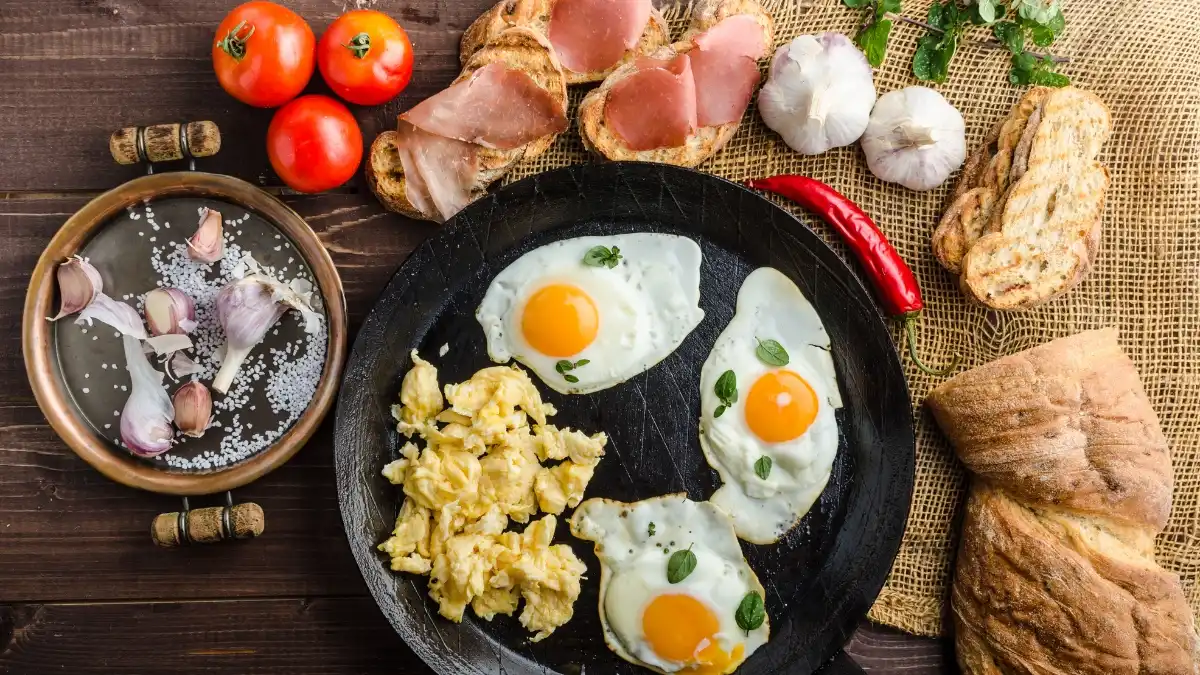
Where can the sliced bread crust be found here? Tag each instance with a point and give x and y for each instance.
(535, 14)
(520, 48)
(702, 144)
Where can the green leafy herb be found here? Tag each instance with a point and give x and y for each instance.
(986, 10)
(935, 49)
(762, 468)
(564, 367)
(602, 256)
(726, 390)
(750, 612)
(1011, 35)
(856, 4)
(650, 530)
(873, 41)
(771, 353)
(680, 565)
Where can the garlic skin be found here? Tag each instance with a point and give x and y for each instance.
(208, 244)
(114, 313)
(915, 138)
(818, 94)
(146, 419)
(78, 284)
(169, 311)
(247, 308)
(193, 408)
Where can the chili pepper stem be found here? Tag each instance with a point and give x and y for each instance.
(910, 328)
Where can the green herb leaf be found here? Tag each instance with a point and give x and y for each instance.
(750, 612)
(719, 411)
(886, 6)
(771, 353)
(1010, 35)
(650, 530)
(1057, 22)
(602, 256)
(563, 366)
(1048, 78)
(931, 62)
(935, 14)
(570, 378)
(856, 4)
(726, 388)
(762, 468)
(873, 41)
(680, 565)
(581, 362)
(986, 10)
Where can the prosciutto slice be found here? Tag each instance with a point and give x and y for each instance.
(725, 67)
(439, 172)
(592, 35)
(495, 107)
(655, 107)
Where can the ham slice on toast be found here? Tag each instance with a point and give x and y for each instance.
(508, 104)
(591, 37)
(635, 115)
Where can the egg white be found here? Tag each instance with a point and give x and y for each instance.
(769, 306)
(633, 569)
(647, 305)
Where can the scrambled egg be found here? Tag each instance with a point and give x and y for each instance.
(481, 468)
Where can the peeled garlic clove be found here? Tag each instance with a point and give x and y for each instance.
(169, 311)
(78, 284)
(193, 408)
(146, 419)
(208, 244)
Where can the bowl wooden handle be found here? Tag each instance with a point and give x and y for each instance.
(165, 142)
(208, 525)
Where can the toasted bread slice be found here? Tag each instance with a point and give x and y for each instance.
(535, 14)
(1049, 231)
(702, 144)
(521, 48)
(979, 196)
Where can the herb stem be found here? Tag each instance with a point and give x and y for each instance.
(987, 44)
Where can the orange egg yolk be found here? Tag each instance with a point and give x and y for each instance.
(559, 320)
(680, 628)
(780, 406)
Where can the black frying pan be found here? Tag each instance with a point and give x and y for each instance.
(820, 579)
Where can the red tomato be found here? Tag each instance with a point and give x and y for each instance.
(365, 57)
(263, 54)
(314, 143)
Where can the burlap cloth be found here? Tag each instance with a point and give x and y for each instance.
(1143, 59)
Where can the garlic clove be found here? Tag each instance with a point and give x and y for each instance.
(78, 284)
(169, 311)
(146, 419)
(208, 244)
(193, 408)
(114, 313)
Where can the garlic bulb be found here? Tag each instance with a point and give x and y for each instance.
(818, 94)
(208, 244)
(169, 311)
(247, 308)
(915, 138)
(193, 408)
(78, 284)
(146, 419)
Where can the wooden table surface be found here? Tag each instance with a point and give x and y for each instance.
(82, 589)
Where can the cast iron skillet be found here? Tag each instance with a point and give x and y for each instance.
(820, 579)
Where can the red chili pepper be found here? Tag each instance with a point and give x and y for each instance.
(893, 280)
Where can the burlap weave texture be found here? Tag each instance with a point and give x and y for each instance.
(1141, 58)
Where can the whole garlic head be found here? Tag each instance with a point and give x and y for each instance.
(818, 94)
(915, 138)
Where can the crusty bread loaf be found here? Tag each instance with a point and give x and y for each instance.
(1045, 233)
(535, 14)
(702, 144)
(983, 183)
(1071, 482)
(519, 47)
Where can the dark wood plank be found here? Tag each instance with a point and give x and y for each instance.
(75, 70)
(324, 635)
(67, 533)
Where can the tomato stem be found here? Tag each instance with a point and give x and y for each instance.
(359, 44)
(234, 43)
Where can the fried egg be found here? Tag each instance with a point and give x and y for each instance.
(588, 313)
(693, 624)
(772, 435)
